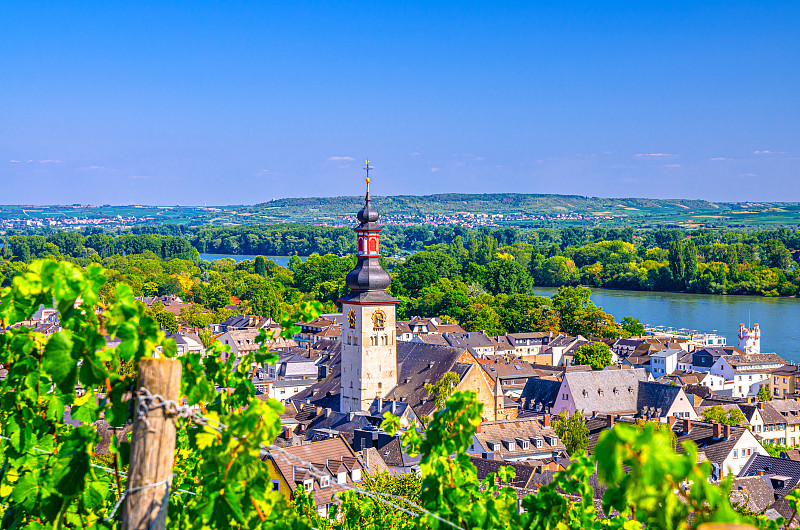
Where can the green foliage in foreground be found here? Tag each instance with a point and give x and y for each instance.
(47, 479)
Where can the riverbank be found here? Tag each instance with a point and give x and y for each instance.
(721, 314)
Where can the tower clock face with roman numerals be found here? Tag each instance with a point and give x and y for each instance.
(351, 318)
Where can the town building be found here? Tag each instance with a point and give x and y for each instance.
(621, 392)
(514, 440)
(748, 372)
(784, 381)
(337, 467)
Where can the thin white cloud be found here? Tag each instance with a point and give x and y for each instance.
(652, 155)
(672, 165)
(49, 161)
(748, 175)
(768, 152)
(341, 158)
(91, 168)
(434, 170)
(15, 161)
(719, 158)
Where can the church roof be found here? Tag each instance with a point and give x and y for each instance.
(418, 364)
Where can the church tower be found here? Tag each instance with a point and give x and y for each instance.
(369, 347)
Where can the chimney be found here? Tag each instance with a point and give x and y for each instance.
(287, 432)
(394, 406)
(609, 420)
(726, 431)
(671, 420)
(380, 406)
(328, 412)
(546, 420)
(318, 411)
(594, 414)
(488, 456)
(717, 430)
(478, 429)
(687, 425)
(760, 472)
(366, 458)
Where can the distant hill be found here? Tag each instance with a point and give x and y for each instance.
(512, 209)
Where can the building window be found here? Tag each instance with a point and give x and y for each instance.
(735, 453)
(276, 485)
(351, 318)
(308, 485)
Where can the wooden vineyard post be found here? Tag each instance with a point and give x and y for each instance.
(152, 448)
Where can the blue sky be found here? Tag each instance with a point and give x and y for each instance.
(237, 103)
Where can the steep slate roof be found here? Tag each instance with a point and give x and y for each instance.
(789, 409)
(610, 391)
(787, 470)
(743, 361)
(770, 413)
(522, 479)
(392, 453)
(341, 422)
(417, 365)
(465, 340)
(752, 492)
(516, 368)
(539, 394)
(656, 395)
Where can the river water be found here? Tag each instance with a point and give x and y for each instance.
(778, 317)
(283, 261)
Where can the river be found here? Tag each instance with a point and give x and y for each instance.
(777, 317)
(283, 261)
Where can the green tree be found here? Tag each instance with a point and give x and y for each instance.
(632, 326)
(690, 262)
(442, 389)
(763, 394)
(676, 260)
(572, 431)
(260, 265)
(595, 354)
(718, 414)
(507, 276)
(732, 260)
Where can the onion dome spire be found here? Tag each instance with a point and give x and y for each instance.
(368, 281)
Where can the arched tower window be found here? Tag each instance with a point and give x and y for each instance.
(351, 318)
(373, 244)
(361, 244)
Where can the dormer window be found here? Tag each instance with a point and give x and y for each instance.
(325, 481)
(341, 477)
(355, 475)
(308, 485)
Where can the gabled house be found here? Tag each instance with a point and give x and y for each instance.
(514, 440)
(749, 373)
(337, 463)
(621, 392)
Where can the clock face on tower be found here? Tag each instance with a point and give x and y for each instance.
(351, 318)
(379, 319)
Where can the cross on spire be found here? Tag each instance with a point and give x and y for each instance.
(367, 167)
